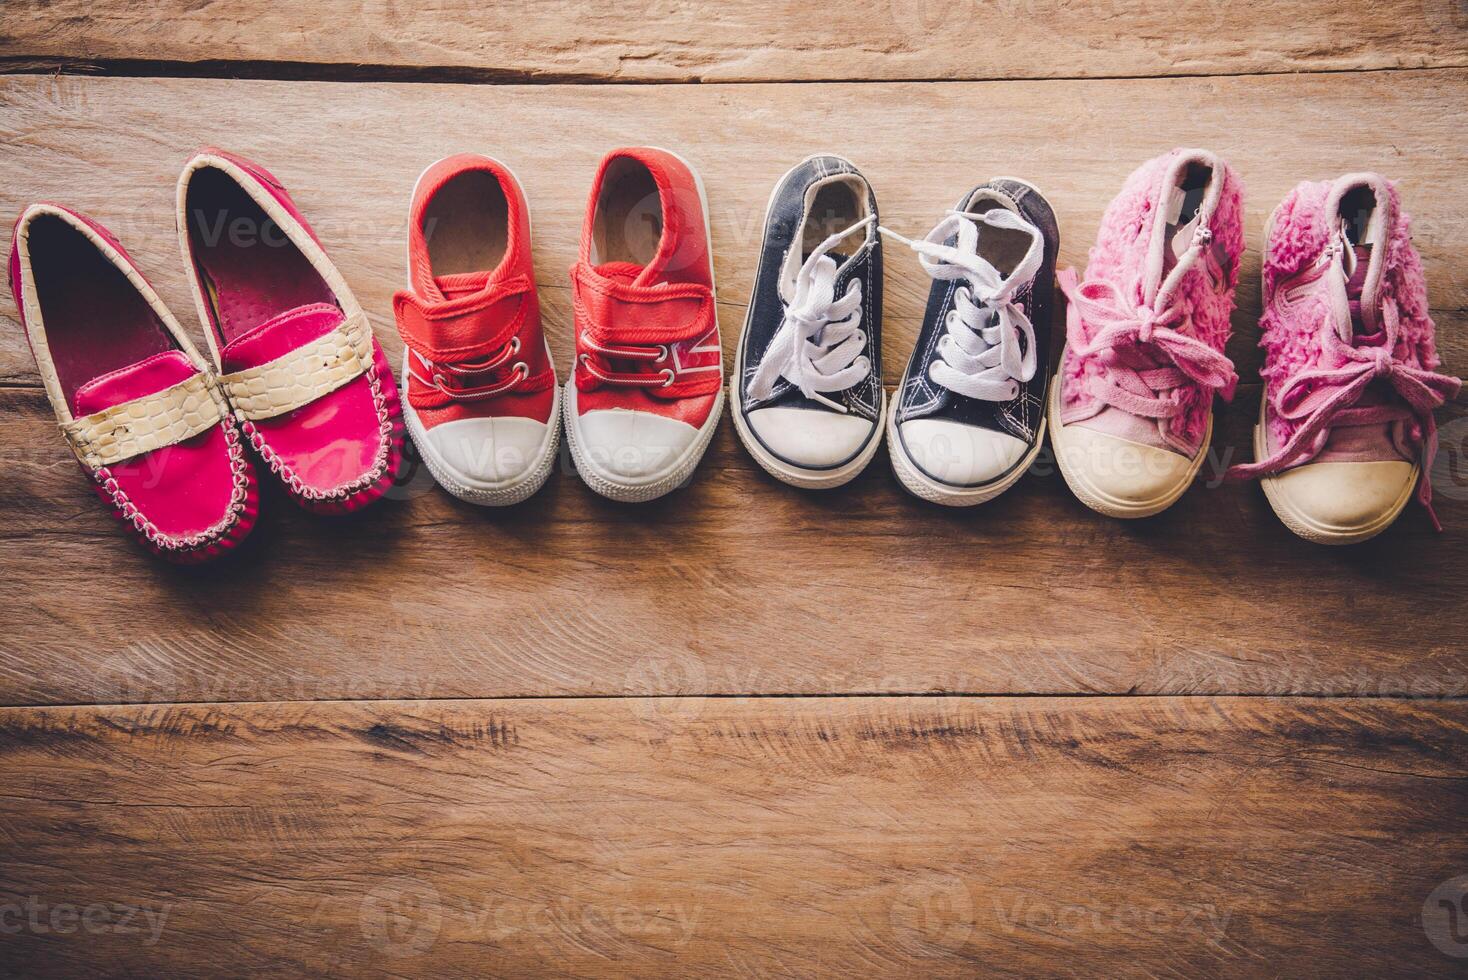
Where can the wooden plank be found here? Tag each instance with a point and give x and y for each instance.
(112, 147)
(734, 585)
(891, 837)
(736, 40)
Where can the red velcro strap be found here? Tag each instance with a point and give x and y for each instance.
(616, 312)
(466, 328)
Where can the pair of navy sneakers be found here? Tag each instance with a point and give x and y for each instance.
(969, 415)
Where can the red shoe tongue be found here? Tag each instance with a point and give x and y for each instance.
(626, 272)
(280, 335)
(146, 377)
(461, 284)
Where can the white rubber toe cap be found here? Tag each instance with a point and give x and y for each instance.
(962, 455)
(488, 451)
(632, 445)
(1124, 476)
(1343, 497)
(809, 437)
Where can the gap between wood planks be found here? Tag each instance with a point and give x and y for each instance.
(1382, 697)
(310, 71)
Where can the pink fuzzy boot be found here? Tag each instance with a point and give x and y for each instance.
(1131, 411)
(1345, 428)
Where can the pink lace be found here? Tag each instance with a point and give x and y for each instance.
(1135, 344)
(1322, 398)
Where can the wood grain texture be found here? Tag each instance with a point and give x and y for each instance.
(736, 584)
(798, 837)
(112, 147)
(736, 40)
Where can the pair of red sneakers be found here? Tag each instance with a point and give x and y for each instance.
(645, 393)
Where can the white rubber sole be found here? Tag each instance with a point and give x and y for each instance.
(484, 494)
(1097, 499)
(508, 492)
(1312, 530)
(926, 488)
(648, 488)
(667, 480)
(795, 476)
(800, 476)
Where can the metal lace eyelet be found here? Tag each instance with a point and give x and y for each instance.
(666, 350)
(522, 369)
(668, 376)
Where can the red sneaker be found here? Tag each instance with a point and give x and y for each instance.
(483, 406)
(646, 392)
(310, 385)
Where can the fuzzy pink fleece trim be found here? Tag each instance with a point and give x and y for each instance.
(1120, 257)
(1292, 335)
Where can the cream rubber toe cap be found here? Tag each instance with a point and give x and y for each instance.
(488, 452)
(1341, 502)
(630, 445)
(1121, 478)
(958, 454)
(810, 437)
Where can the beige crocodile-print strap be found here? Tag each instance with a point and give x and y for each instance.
(303, 375)
(142, 425)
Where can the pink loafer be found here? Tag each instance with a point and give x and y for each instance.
(311, 387)
(136, 402)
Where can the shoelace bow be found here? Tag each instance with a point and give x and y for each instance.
(454, 379)
(1148, 360)
(1321, 398)
(819, 344)
(988, 348)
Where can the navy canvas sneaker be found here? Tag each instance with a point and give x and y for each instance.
(807, 389)
(969, 417)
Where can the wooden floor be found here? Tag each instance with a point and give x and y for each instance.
(743, 730)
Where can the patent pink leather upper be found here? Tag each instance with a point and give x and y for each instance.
(335, 439)
(266, 289)
(100, 343)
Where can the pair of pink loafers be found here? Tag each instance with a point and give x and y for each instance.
(295, 373)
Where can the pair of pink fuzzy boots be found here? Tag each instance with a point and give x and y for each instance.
(294, 371)
(1345, 434)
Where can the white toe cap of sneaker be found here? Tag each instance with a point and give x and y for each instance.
(1345, 496)
(632, 445)
(488, 451)
(809, 437)
(1124, 474)
(962, 455)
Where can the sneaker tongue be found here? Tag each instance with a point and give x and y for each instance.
(280, 335)
(1182, 240)
(461, 284)
(146, 377)
(1355, 284)
(1372, 440)
(626, 273)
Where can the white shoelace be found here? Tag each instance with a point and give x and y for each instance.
(820, 342)
(981, 354)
